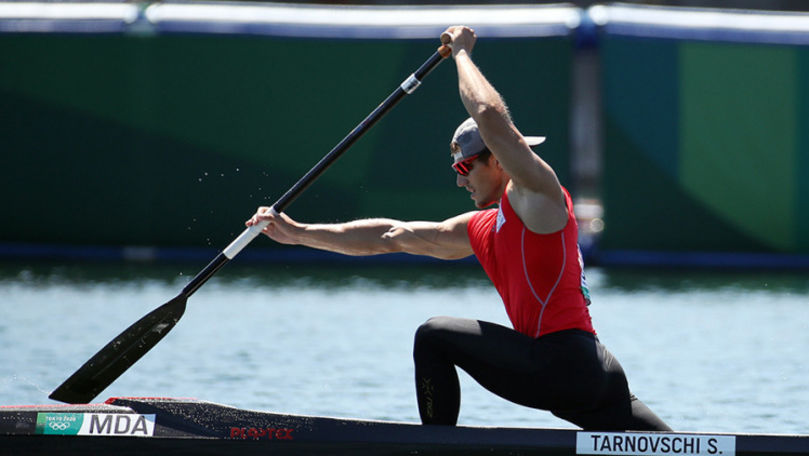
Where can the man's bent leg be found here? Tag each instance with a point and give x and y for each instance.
(437, 388)
(497, 357)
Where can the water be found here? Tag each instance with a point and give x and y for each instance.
(714, 352)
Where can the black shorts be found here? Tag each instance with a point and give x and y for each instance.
(570, 373)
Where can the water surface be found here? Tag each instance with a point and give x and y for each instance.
(706, 351)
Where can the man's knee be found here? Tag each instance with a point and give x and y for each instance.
(430, 332)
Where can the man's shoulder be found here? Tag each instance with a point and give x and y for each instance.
(539, 212)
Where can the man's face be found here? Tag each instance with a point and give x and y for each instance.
(483, 180)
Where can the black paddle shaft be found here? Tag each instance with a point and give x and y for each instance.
(126, 349)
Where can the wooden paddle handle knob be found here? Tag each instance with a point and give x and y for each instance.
(444, 50)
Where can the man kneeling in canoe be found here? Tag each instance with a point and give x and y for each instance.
(528, 246)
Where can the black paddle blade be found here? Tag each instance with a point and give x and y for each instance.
(121, 353)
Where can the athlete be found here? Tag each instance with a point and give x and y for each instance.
(551, 359)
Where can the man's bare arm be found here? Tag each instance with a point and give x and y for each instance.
(535, 191)
(446, 240)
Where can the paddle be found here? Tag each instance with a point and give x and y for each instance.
(123, 351)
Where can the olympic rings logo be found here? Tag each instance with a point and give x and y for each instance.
(57, 426)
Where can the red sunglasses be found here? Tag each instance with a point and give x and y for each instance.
(464, 166)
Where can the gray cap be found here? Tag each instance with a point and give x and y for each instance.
(470, 143)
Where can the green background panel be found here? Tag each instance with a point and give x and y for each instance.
(801, 170)
(738, 130)
(647, 209)
(640, 86)
(705, 146)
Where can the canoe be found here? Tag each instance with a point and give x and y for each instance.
(139, 426)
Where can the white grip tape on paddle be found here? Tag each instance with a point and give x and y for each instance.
(246, 237)
(410, 84)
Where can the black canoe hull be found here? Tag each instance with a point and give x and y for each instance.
(140, 426)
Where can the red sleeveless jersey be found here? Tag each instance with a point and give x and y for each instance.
(538, 276)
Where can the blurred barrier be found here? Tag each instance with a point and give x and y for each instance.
(706, 126)
(168, 124)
